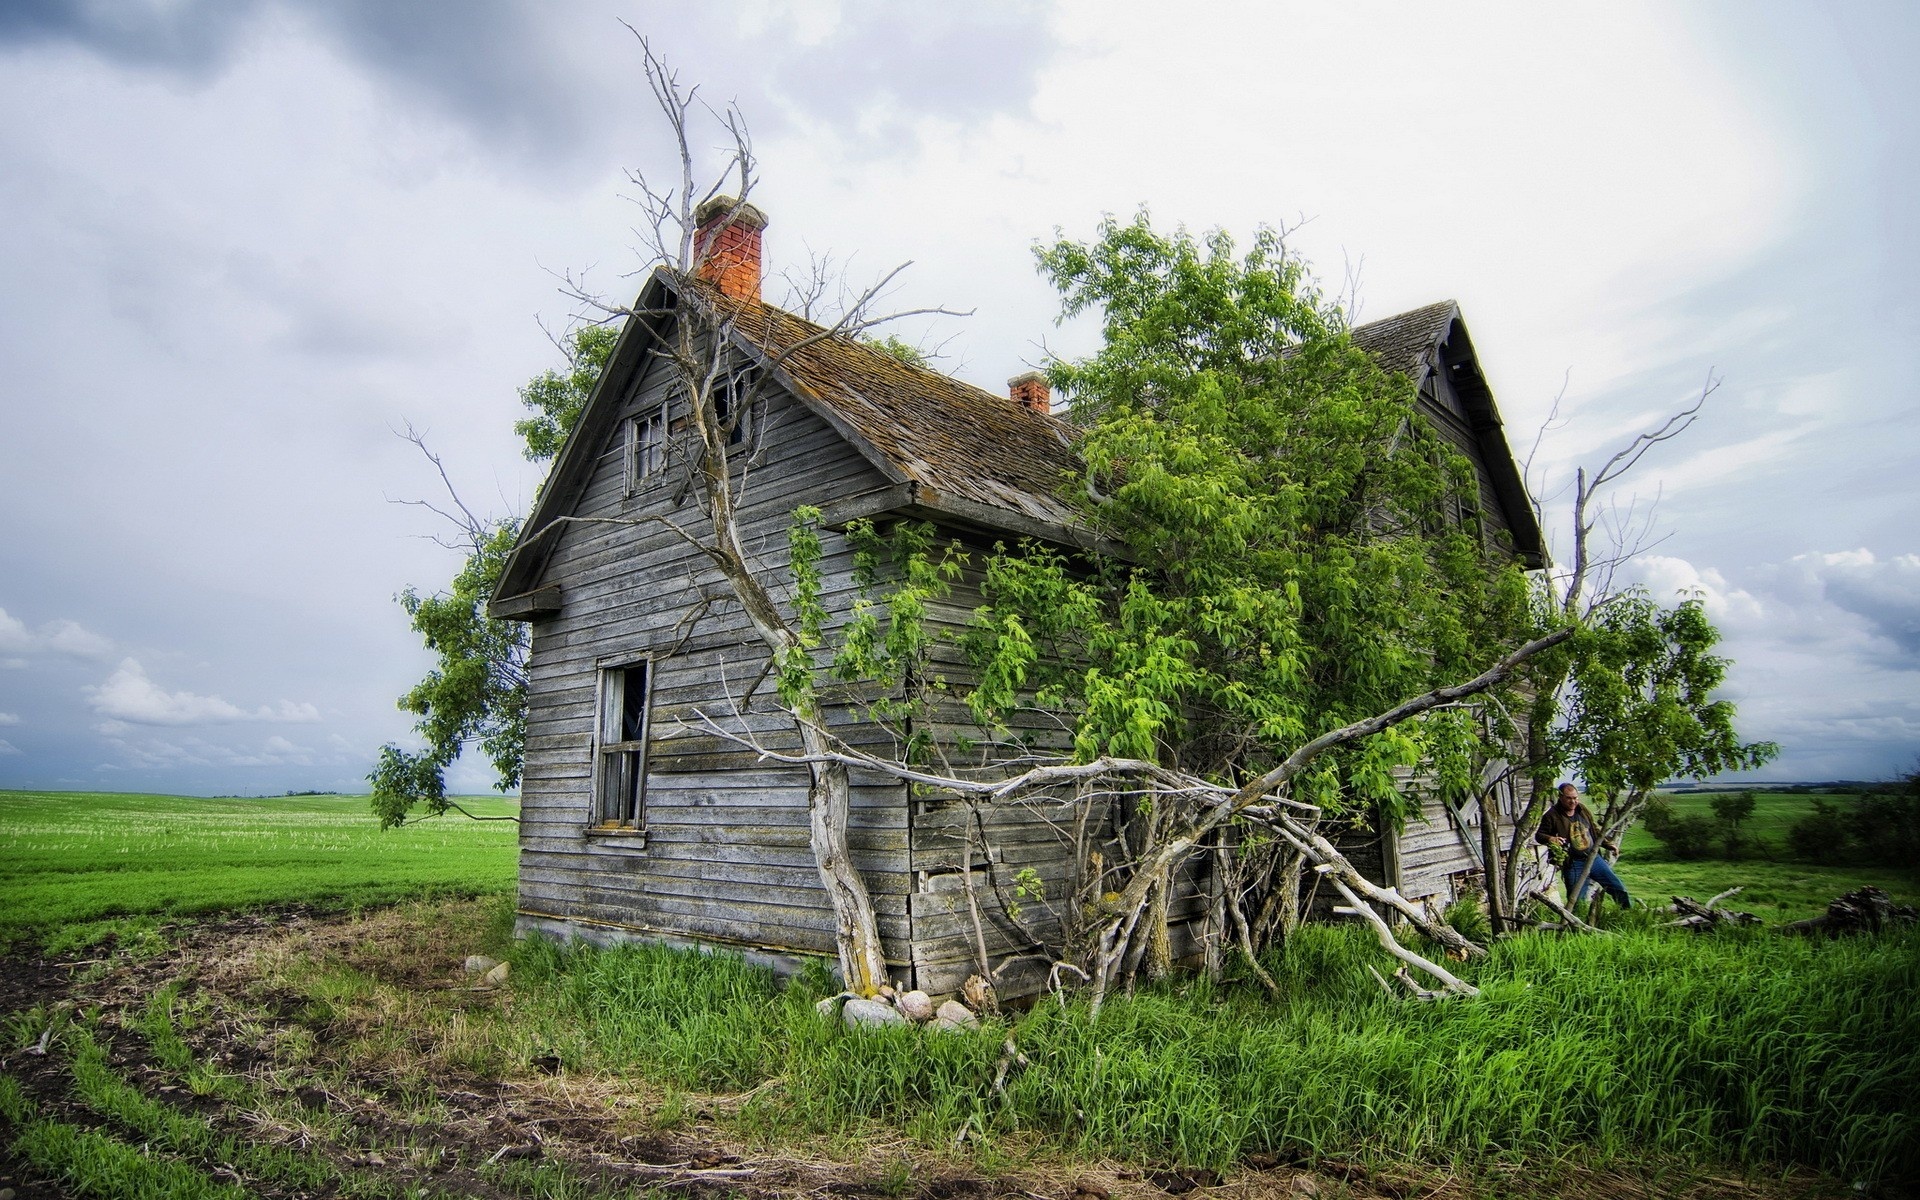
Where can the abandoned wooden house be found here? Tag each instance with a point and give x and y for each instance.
(635, 822)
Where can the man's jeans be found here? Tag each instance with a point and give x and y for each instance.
(1601, 874)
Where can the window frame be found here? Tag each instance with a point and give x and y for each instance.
(619, 767)
(645, 458)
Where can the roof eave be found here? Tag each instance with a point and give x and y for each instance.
(521, 573)
(1509, 484)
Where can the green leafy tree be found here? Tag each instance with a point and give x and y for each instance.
(1299, 548)
(556, 397)
(476, 691)
(1293, 549)
(1733, 810)
(1289, 554)
(1683, 836)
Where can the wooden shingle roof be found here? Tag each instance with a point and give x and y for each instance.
(1405, 342)
(918, 426)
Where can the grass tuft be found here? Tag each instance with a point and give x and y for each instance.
(1749, 1048)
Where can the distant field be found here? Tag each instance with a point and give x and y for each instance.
(77, 856)
(1776, 889)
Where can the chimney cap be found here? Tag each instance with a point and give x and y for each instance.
(720, 206)
(1027, 377)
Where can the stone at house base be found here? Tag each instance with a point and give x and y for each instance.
(861, 1013)
(914, 1006)
(954, 1015)
(480, 964)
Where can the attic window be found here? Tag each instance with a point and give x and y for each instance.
(735, 395)
(620, 769)
(646, 448)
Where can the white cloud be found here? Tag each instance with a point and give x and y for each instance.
(7, 718)
(59, 637)
(14, 637)
(13, 664)
(7, 748)
(1883, 594)
(150, 752)
(70, 637)
(1824, 655)
(1668, 578)
(129, 696)
(1734, 460)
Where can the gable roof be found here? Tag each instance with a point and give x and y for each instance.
(915, 425)
(1405, 341)
(952, 451)
(1433, 340)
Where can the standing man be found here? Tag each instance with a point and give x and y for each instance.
(1569, 826)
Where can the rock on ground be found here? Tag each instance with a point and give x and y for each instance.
(860, 1013)
(955, 1015)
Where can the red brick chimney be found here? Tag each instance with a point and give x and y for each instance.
(726, 253)
(1031, 391)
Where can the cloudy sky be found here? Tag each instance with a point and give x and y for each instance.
(244, 241)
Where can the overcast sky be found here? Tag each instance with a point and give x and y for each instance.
(243, 241)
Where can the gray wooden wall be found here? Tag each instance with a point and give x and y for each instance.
(725, 858)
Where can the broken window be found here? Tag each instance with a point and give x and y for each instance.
(646, 447)
(734, 396)
(621, 770)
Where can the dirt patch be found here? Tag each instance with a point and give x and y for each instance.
(292, 1071)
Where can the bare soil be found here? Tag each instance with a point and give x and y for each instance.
(366, 1122)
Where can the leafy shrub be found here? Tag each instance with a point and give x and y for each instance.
(1684, 837)
(1731, 810)
(1822, 835)
(1886, 825)
(1468, 917)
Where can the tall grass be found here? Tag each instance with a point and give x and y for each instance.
(1750, 1049)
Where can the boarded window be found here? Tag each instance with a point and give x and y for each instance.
(646, 448)
(621, 772)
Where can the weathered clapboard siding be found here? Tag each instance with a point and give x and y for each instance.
(725, 857)
(1431, 853)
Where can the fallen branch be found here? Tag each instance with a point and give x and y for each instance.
(1864, 910)
(1358, 908)
(685, 1171)
(1566, 914)
(1697, 916)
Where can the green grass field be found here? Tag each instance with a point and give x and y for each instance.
(68, 857)
(1648, 1052)
(1775, 888)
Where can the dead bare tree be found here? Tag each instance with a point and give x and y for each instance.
(1121, 935)
(685, 223)
(1607, 533)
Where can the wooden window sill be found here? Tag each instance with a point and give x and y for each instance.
(619, 835)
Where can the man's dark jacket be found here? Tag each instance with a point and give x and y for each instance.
(1557, 824)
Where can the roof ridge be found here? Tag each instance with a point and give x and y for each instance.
(861, 346)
